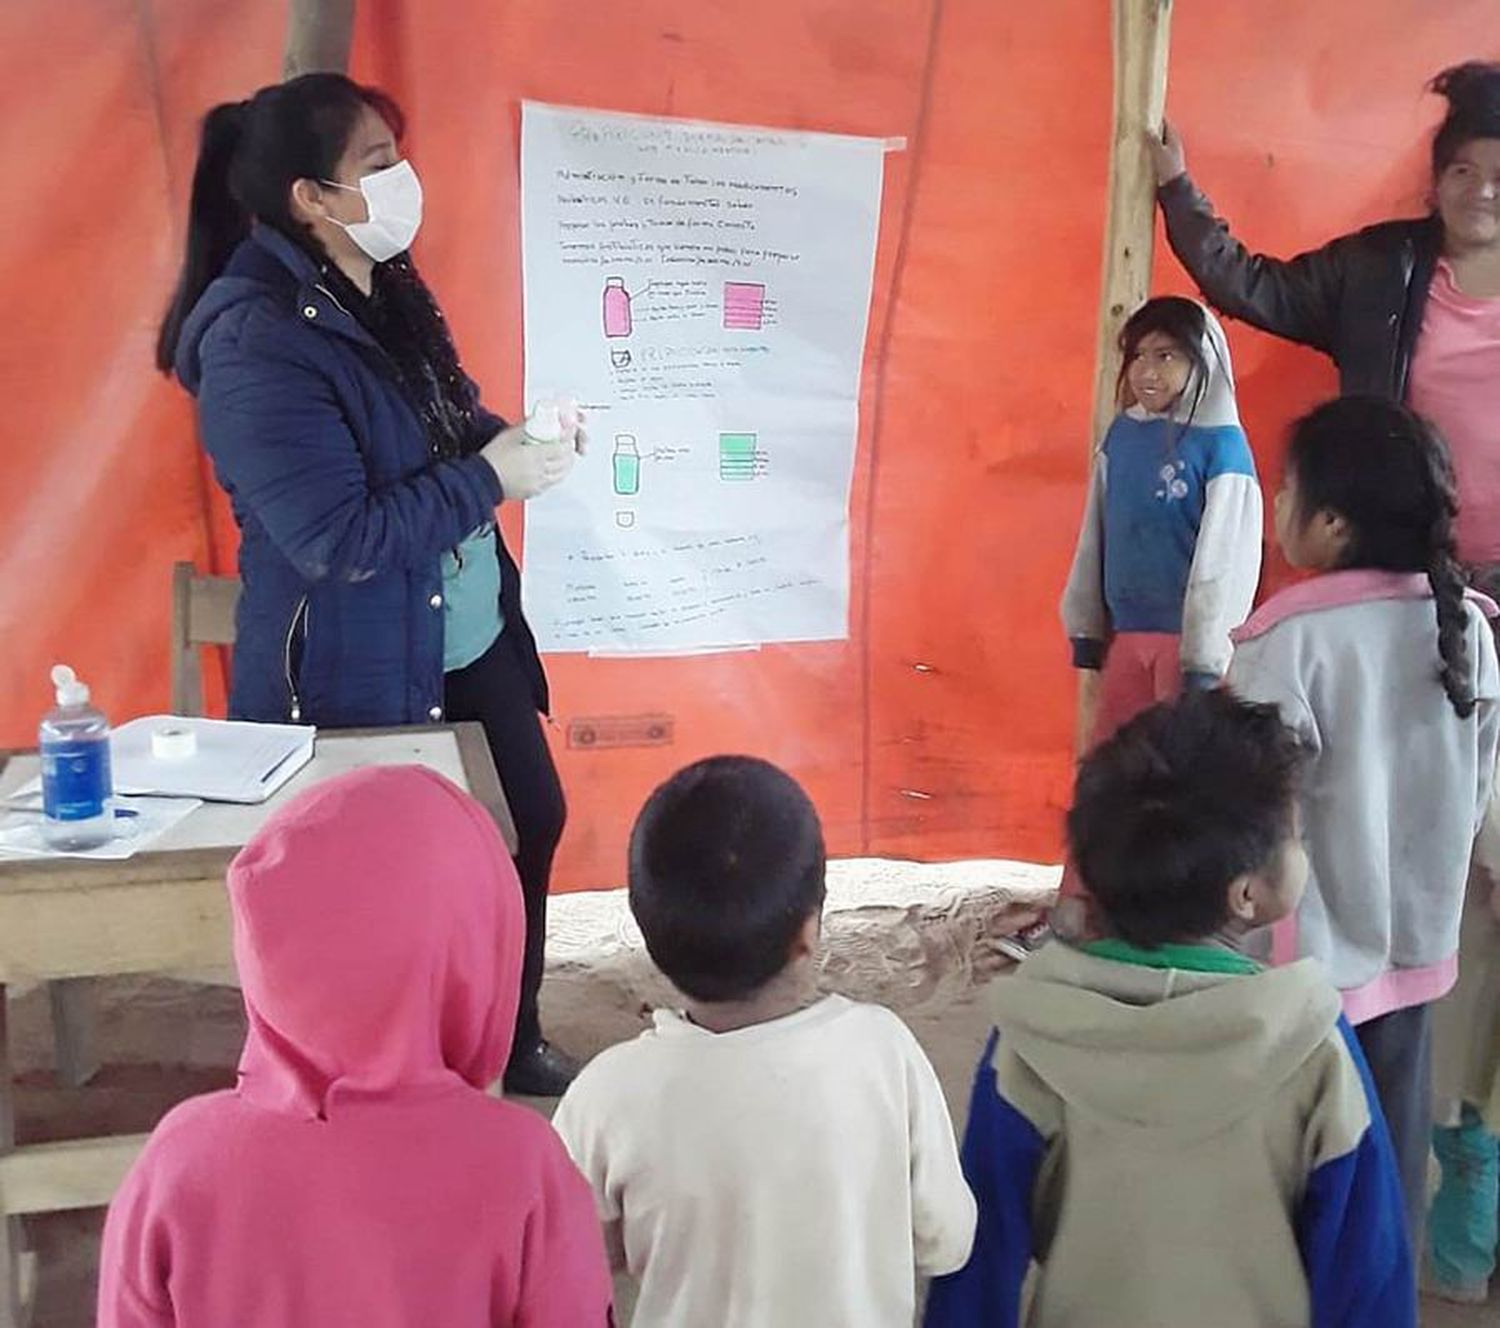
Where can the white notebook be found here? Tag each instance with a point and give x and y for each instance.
(234, 762)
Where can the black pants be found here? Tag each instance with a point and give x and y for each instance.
(494, 690)
(1398, 1047)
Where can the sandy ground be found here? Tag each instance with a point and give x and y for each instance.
(920, 939)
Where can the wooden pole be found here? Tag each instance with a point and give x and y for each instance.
(1142, 29)
(319, 34)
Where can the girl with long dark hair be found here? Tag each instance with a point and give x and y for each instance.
(1407, 309)
(1385, 665)
(363, 470)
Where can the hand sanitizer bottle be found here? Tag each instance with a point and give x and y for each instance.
(76, 783)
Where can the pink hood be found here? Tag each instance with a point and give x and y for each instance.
(360, 1177)
(418, 980)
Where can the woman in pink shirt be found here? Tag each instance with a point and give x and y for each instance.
(360, 1176)
(1408, 309)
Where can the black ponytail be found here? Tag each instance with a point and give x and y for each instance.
(216, 222)
(249, 156)
(1472, 91)
(1389, 475)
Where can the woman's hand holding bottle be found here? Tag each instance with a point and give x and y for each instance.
(528, 468)
(530, 458)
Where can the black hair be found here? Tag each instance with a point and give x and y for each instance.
(1181, 319)
(249, 156)
(726, 865)
(1387, 472)
(251, 153)
(1472, 91)
(1178, 805)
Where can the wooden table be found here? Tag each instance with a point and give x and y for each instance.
(67, 920)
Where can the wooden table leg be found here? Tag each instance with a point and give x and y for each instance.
(75, 1047)
(11, 1307)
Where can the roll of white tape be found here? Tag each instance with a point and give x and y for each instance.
(173, 744)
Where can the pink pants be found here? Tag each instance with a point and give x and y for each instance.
(1141, 669)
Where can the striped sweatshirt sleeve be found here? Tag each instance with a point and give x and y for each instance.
(1226, 559)
(1085, 617)
(1002, 1155)
(1351, 1224)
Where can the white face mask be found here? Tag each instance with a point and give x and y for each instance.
(394, 200)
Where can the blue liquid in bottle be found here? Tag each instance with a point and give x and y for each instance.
(76, 783)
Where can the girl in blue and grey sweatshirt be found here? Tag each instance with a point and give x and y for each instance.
(1168, 556)
(1169, 553)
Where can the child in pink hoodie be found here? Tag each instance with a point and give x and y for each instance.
(359, 1174)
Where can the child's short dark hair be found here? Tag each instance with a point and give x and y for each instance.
(1179, 804)
(726, 865)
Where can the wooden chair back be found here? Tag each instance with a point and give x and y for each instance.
(202, 615)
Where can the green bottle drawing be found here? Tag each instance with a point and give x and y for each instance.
(627, 465)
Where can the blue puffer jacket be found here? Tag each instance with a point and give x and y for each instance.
(343, 512)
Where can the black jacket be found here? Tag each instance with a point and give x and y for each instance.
(1358, 299)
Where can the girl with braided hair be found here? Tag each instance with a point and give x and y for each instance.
(1385, 665)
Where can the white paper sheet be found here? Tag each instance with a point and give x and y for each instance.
(703, 290)
(233, 761)
(229, 824)
(139, 824)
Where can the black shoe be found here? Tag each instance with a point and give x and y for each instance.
(542, 1071)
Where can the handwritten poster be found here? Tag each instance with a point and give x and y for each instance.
(703, 291)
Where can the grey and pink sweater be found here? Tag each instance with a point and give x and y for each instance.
(1398, 785)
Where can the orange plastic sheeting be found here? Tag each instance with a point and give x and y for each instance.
(942, 727)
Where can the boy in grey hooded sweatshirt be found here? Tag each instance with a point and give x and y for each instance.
(1176, 1135)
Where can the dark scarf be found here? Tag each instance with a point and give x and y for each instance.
(402, 316)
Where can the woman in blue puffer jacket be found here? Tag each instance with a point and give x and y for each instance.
(363, 471)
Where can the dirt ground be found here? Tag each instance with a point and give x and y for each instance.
(920, 939)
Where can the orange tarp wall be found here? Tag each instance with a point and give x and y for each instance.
(941, 728)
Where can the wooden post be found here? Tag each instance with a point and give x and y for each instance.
(14, 1301)
(1141, 32)
(1142, 29)
(75, 1041)
(319, 34)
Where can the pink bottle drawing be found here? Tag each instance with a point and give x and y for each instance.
(617, 321)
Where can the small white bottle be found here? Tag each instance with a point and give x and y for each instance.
(76, 782)
(551, 420)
